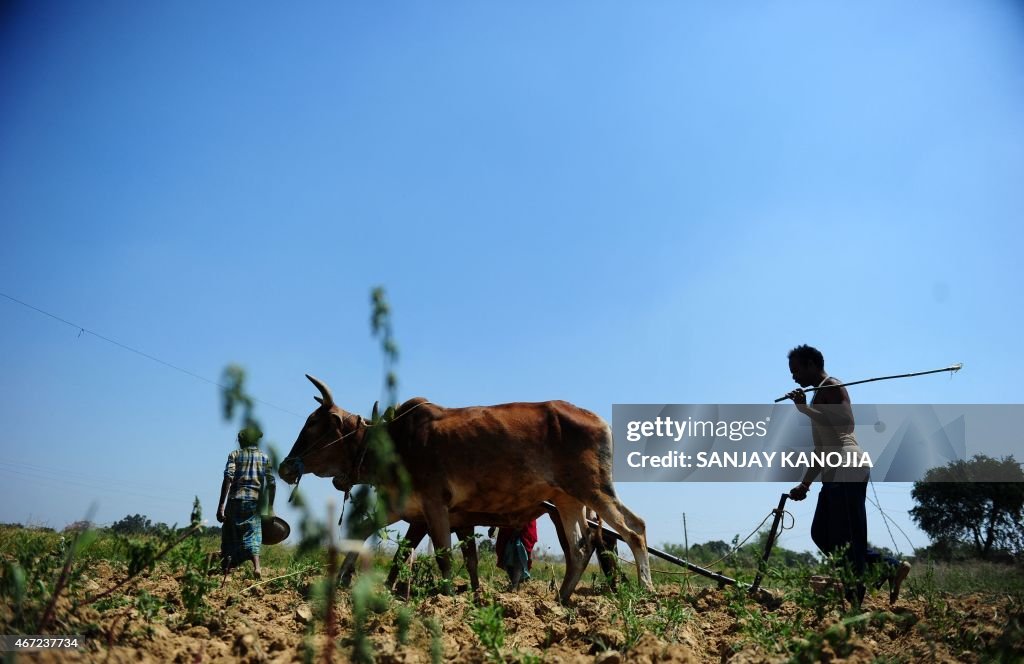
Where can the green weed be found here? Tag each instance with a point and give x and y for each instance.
(298, 575)
(195, 568)
(436, 645)
(631, 603)
(403, 621)
(366, 599)
(489, 627)
(625, 598)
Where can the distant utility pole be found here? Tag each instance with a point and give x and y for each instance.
(686, 539)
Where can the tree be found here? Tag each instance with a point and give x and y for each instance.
(979, 503)
(132, 525)
(77, 526)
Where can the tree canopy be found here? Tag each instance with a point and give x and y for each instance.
(137, 524)
(979, 503)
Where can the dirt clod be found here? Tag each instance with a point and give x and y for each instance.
(304, 614)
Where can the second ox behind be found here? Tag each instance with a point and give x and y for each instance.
(503, 459)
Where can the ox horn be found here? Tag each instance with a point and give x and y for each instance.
(328, 400)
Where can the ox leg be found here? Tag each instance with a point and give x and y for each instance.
(347, 569)
(579, 545)
(607, 550)
(412, 539)
(556, 520)
(563, 541)
(632, 529)
(467, 537)
(607, 558)
(439, 527)
(515, 577)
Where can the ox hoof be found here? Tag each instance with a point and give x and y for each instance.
(402, 590)
(766, 598)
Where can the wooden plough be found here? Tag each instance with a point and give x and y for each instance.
(721, 579)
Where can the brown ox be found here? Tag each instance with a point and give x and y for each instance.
(503, 459)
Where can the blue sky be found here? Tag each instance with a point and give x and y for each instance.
(598, 202)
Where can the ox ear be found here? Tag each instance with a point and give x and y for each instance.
(376, 412)
(318, 400)
(328, 400)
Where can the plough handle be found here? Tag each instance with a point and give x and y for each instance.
(772, 534)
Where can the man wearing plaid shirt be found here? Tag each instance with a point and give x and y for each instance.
(248, 468)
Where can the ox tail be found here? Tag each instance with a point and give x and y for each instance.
(606, 460)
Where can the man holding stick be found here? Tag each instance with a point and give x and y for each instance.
(840, 519)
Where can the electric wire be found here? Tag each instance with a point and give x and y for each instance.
(83, 330)
(885, 517)
(63, 473)
(63, 485)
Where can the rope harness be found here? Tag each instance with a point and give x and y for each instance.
(360, 426)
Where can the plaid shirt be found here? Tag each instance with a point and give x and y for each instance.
(247, 468)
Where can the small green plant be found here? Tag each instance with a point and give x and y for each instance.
(669, 616)
(571, 614)
(384, 467)
(22, 597)
(811, 647)
(631, 600)
(405, 578)
(112, 602)
(366, 599)
(771, 632)
(403, 621)
(626, 598)
(297, 577)
(436, 645)
(489, 627)
(35, 568)
(422, 578)
(140, 553)
(811, 592)
(148, 607)
(195, 567)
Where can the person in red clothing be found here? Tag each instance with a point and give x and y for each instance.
(514, 548)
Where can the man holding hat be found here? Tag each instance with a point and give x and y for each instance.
(247, 470)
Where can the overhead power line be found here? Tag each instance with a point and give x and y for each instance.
(65, 485)
(83, 330)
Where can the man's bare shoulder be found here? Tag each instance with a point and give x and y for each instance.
(834, 395)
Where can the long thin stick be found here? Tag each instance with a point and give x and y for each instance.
(283, 576)
(953, 368)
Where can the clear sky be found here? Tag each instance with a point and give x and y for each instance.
(594, 201)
